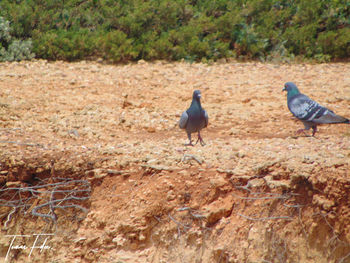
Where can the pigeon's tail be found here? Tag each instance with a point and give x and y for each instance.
(341, 119)
(330, 117)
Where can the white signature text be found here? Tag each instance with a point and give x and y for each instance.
(36, 244)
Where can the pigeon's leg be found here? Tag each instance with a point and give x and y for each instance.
(307, 127)
(200, 139)
(189, 137)
(314, 130)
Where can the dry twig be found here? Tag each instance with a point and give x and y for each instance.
(191, 212)
(343, 258)
(23, 143)
(179, 225)
(265, 218)
(264, 197)
(63, 193)
(9, 216)
(191, 157)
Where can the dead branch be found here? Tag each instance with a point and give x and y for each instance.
(343, 258)
(43, 199)
(191, 157)
(10, 129)
(157, 218)
(325, 218)
(245, 187)
(186, 208)
(179, 225)
(302, 224)
(24, 144)
(191, 212)
(52, 209)
(263, 198)
(52, 206)
(266, 218)
(293, 206)
(9, 216)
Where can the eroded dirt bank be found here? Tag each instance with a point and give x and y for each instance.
(254, 193)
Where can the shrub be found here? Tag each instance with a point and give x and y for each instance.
(336, 43)
(120, 31)
(64, 45)
(117, 47)
(12, 49)
(5, 36)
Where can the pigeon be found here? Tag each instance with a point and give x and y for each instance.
(309, 111)
(194, 118)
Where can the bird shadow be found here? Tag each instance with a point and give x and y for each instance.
(303, 136)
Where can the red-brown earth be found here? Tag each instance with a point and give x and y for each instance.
(255, 192)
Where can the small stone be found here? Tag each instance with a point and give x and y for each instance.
(284, 184)
(218, 209)
(142, 237)
(141, 62)
(119, 240)
(13, 184)
(183, 172)
(189, 183)
(99, 173)
(218, 181)
(257, 182)
(150, 129)
(170, 196)
(322, 201)
(80, 240)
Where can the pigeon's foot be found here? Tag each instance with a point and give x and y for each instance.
(200, 140)
(301, 131)
(314, 130)
(189, 144)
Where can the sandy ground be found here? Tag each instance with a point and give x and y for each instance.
(255, 193)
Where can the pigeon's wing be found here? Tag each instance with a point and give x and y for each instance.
(206, 118)
(305, 109)
(183, 120)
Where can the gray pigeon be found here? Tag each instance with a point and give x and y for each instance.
(194, 119)
(309, 111)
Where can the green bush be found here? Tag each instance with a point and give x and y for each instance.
(12, 49)
(335, 43)
(115, 46)
(65, 45)
(5, 35)
(121, 31)
(18, 50)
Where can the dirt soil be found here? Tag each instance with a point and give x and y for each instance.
(255, 192)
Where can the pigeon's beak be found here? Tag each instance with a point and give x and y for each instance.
(284, 89)
(199, 96)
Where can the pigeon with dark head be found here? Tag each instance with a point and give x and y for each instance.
(194, 119)
(309, 111)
